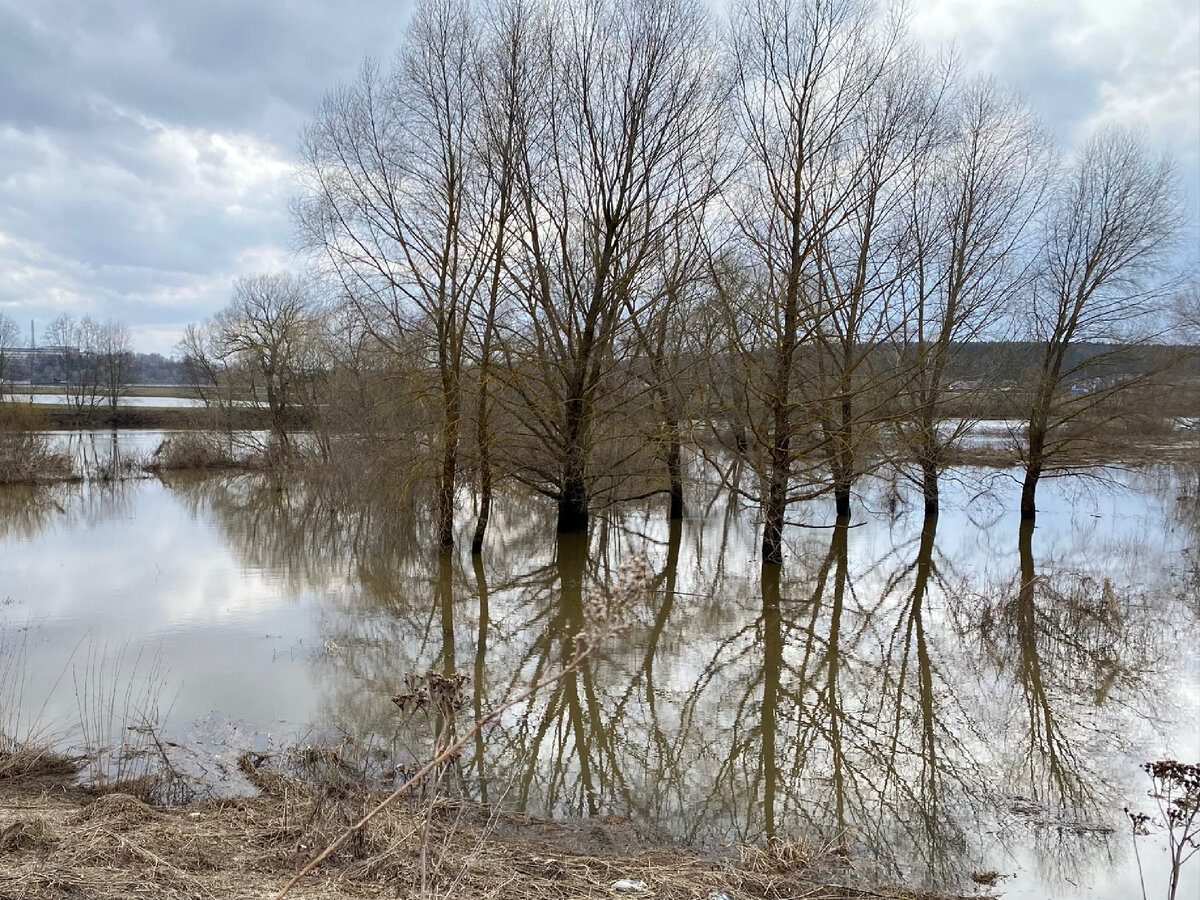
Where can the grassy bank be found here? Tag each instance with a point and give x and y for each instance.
(60, 841)
(158, 418)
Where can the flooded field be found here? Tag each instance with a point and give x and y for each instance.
(969, 697)
(63, 400)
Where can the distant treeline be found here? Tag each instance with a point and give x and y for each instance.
(991, 359)
(974, 361)
(43, 368)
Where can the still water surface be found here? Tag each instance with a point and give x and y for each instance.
(951, 699)
(63, 400)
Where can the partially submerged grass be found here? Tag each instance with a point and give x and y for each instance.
(121, 704)
(34, 762)
(208, 451)
(105, 834)
(25, 453)
(193, 450)
(328, 808)
(27, 747)
(115, 468)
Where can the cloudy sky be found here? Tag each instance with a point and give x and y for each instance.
(147, 148)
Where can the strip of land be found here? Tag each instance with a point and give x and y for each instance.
(59, 840)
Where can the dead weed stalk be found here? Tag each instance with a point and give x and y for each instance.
(606, 615)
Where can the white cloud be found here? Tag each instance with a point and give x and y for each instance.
(1125, 62)
(153, 224)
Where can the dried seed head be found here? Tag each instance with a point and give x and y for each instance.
(442, 693)
(605, 614)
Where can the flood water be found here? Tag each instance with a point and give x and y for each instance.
(950, 699)
(63, 399)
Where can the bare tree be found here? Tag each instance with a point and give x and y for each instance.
(390, 175)
(257, 349)
(802, 71)
(76, 343)
(670, 340)
(974, 194)
(623, 116)
(267, 327)
(1108, 234)
(10, 340)
(507, 79)
(849, 376)
(114, 349)
(205, 364)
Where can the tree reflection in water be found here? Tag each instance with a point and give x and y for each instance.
(872, 690)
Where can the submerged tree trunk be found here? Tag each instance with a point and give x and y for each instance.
(485, 501)
(774, 511)
(1029, 492)
(674, 470)
(841, 499)
(484, 438)
(573, 497)
(929, 485)
(446, 485)
(779, 474)
(843, 465)
(1034, 463)
(573, 506)
(445, 506)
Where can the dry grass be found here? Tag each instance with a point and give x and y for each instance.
(191, 451)
(25, 454)
(27, 761)
(60, 844)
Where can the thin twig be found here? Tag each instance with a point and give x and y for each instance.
(446, 754)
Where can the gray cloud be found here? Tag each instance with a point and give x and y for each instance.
(147, 148)
(1084, 63)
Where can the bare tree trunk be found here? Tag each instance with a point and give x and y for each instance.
(780, 472)
(485, 478)
(929, 455)
(1029, 491)
(1035, 459)
(841, 499)
(929, 484)
(843, 465)
(674, 470)
(445, 504)
(775, 507)
(573, 501)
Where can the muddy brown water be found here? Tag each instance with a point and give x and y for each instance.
(965, 697)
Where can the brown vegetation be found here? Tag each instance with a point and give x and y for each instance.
(162, 417)
(30, 762)
(199, 450)
(25, 454)
(59, 843)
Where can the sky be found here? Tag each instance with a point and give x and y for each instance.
(148, 149)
